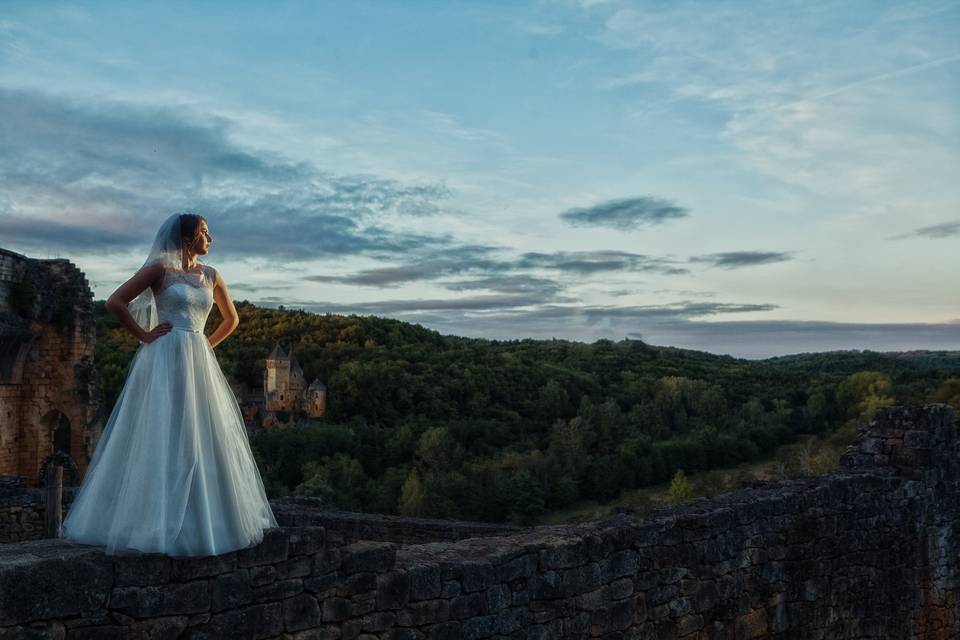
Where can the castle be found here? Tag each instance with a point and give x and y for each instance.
(285, 388)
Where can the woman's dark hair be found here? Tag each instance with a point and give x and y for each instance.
(189, 227)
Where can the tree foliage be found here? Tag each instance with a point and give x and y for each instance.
(444, 426)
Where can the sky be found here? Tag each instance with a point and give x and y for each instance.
(745, 178)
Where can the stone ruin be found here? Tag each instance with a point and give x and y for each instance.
(48, 398)
(870, 552)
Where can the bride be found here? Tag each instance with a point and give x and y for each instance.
(173, 472)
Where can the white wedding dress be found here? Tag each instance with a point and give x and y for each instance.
(173, 472)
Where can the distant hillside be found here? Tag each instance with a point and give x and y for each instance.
(422, 423)
(847, 362)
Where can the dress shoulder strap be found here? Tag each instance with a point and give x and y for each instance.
(210, 275)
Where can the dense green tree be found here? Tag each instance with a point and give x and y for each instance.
(413, 499)
(526, 497)
(864, 392)
(680, 487)
(948, 393)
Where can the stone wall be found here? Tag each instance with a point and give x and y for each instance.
(22, 512)
(871, 552)
(47, 378)
(345, 527)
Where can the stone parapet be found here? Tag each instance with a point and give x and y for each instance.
(866, 553)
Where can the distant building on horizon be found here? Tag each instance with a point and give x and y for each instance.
(285, 388)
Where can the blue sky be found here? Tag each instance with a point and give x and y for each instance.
(753, 178)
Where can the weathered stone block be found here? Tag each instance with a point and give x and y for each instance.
(278, 590)
(55, 587)
(301, 612)
(230, 590)
(403, 634)
(166, 628)
(336, 609)
(521, 567)
(377, 557)
(106, 632)
(378, 621)
(545, 586)
(261, 575)
(319, 584)
(162, 600)
(141, 570)
(274, 548)
(305, 540)
(256, 621)
(479, 627)
(393, 589)
(424, 612)
(450, 588)
(580, 579)
(476, 576)
(299, 567)
(326, 561)
(425, 582)
(467, 605)
(498, 597)
(357, 583)
(185, 569)
(35, 631)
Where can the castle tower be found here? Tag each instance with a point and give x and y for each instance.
(297, 384)
(315, 399)
(276, 382)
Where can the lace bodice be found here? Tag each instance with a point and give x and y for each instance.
(185, 298)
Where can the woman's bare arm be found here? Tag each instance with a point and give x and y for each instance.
(119, 299)
(231, 319)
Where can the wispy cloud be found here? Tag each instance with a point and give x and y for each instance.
(508, 283)
(126, 167)
(936, 231)
(503, 274)
(588, 262)
(738, 259)
(545, 313)
(625, 214)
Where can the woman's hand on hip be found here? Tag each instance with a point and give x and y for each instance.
(160, 330)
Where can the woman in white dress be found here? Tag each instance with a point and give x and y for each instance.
(173, 472)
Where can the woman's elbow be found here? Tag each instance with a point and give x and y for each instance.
(234, 323)
(113, 305)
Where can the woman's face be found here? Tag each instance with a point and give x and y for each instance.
(202, 244)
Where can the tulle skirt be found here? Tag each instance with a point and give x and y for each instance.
(173, 471)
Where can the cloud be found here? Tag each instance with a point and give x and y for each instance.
(435, 263)
(937, 231)
(738, 259)
(626, 214)
(389, 307)
(503, 274)
(510, 306)
(589, 262)
(99, 178)
(508, 284)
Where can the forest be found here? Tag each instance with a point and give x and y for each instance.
(420, 423)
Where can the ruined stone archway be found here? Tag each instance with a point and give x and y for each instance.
(48, 395)
(61, 435)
